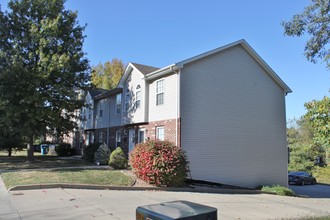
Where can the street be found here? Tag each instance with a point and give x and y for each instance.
(113, 204)
(312, 191)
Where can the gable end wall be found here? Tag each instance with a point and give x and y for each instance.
(233, 121)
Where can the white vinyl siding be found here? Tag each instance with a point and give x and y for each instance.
(168, 110)
(102, 119)
(138, 99)
(134, 92)
(88, 123)
(115, 119)
(233, 125)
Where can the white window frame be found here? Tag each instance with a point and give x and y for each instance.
(139, 135)
(127, 100)
(158, 129)
(118, 104)
(100, 137)
(100, 108)
(118, 137)
(138, 99)
(160, 91)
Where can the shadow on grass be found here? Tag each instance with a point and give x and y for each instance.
(44, 161)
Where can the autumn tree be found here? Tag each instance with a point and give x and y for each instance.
(314, 22)
(107, 75)
(42, 67)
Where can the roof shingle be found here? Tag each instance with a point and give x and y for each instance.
(144, 69)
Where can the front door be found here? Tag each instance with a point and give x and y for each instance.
(131, 139)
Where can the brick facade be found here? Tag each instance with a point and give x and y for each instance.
(169, 127)
(109, 135)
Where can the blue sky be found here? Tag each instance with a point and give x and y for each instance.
(159, 33)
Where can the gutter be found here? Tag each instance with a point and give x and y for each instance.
(161, 72)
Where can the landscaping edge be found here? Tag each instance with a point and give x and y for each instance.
(134, 188)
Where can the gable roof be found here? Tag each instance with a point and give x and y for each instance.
(243, 43)
(144, 69)
(96, 92)
(108, 93)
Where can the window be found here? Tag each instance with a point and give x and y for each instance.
(160, 92)
(101, 109)
(138, 99)
(90, 109)
(127, 100)
(141, 137)
(118, 138)
(100, 136)
(87, 138)
(160, 133)
(92, 138)
(118, 103)
(127, 103)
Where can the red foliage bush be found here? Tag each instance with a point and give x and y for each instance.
(160, 163)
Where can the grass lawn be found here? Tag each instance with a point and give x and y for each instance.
(77, 176)
(18, 161)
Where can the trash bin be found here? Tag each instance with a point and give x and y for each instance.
(44, 149)
(176, 210)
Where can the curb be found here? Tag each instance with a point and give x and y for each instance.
(100, 187)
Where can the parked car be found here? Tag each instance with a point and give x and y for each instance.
(301, 178)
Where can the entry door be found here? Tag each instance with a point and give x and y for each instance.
(131, 137)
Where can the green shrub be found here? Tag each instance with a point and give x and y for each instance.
(160, 163)
(279, 190)
(118, 159)
(322, 174)
(89, 151)
(64, 149)
(101, 156)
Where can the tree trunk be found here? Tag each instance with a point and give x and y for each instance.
(30, 150)
(9, 151)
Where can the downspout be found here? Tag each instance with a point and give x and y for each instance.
(177, 109)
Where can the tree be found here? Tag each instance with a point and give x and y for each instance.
(318, 117)
(9, 140)
(42, 68)
(303, 151)
(107, 76)
(314, 21)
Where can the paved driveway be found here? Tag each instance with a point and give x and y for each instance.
(111, 204)
(312, 191)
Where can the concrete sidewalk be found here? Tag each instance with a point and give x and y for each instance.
(121, 204)
(7, 209)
